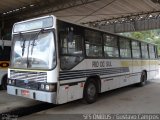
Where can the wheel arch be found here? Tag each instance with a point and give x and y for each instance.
(97, 79)
(2, 77)
(3, 84)
(145, 71)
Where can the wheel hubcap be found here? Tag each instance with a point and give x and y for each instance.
(91, 90)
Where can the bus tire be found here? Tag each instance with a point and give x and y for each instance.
(143, 79)
(90, 91)
(4, 83)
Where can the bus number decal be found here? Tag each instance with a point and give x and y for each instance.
(102, 64)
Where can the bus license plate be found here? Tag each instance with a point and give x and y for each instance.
(25, 93)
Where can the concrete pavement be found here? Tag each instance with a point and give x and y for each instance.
(131, 99)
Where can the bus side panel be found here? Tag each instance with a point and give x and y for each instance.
(152, 68)
(75, 92)
(137, 69)
(157, 69)
(62, 94)
(109, 84)
(71, 88)
(145, 66)
(70, 92)
(126, 79)
(117, 80)
(110, 81)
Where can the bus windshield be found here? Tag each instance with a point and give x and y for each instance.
(34, 50)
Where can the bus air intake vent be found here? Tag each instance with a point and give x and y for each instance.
(30, 76)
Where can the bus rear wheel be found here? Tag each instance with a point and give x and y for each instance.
(90, 92)
(143, 79)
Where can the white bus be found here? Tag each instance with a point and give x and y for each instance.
(5, 48)
(57, 62)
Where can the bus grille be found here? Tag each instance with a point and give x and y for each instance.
(29, 76)
(29, 85)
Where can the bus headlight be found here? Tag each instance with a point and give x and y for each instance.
(11, 82)
(48, 87)
(42, 86)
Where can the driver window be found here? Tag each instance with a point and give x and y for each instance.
(71, 46)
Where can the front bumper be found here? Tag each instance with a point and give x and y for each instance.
(44, 96)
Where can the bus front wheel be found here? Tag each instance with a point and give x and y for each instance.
(90, 91)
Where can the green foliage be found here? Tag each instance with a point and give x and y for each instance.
(152, 36)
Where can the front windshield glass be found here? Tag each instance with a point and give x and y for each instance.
(34, 50)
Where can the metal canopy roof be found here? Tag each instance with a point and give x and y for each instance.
(80, 11)
(108, 9)
(8, 5)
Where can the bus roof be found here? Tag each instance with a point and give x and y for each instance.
(108, 32)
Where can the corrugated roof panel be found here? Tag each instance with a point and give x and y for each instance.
(92, 11)
(102, 9)
(7, 5)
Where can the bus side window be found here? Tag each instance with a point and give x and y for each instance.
(71, 45)
(136, 49)
(125, 49)
(110, 46)
(152, 52)
(156, 51)
(93, 42)
(144, 49)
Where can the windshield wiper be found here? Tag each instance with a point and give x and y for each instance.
(35, 38)
(23, 43)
